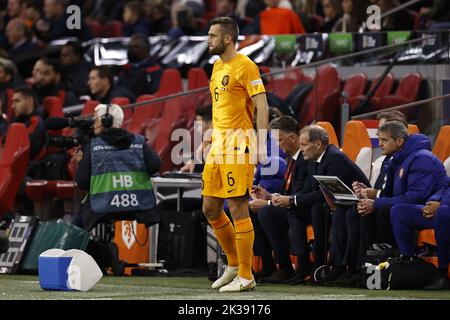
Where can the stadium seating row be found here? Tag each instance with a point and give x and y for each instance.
(326, 97)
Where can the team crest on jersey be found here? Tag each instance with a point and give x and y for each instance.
(225, 80)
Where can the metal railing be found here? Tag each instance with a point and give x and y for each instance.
(403, 106)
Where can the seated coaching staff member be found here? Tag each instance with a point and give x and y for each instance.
(328, 160)
(276, 212)
(115, 167)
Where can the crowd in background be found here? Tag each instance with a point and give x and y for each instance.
(27, 26)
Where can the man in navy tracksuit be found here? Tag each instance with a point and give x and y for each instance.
(414, 174)
(406, 218)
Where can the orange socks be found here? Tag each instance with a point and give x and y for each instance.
(224, 231)
(244, 244)
(237, 246)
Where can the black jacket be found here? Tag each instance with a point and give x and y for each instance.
(300, 177)
(120, 139)
(36, 131)
(70, 98)
(115, 92)
(77, 75)
(141, 78)
(334, 163)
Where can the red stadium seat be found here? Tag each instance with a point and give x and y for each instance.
(145, 114)
(284, 83)
(95, 27)
(159, 133)
(407, 91)
(89, 107)
(197, 78)
(355, 85)
(384, 89)
(171, 82)
(145, 97)
(113, 29)
(13, 165)
(53, 106)
(62, 96)
(323, 101)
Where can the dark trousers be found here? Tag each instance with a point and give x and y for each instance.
(376, 228)
(261, 244)
(406, 219)
(442, 230)
(286, 233)
(286, 230)
(88, 219)
(345, 237)
(319, 220)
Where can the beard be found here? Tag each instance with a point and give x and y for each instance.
(219, 49)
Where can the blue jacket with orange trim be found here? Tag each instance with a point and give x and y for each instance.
(443, 195)
(414, 174)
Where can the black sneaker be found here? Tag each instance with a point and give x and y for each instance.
(349, 279)
(440, 282)
(117, 265)
(263, 274)
(333, 274)
(316, 276)
(299, 278)
(277, 277)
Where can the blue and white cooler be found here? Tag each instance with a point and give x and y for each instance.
(67, 270)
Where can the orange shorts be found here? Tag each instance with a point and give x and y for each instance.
(227, 179)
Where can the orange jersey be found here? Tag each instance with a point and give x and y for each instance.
(232, 86)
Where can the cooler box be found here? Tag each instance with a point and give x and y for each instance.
(53, 270)
(67, 270)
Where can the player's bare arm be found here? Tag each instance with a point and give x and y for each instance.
(262, 123)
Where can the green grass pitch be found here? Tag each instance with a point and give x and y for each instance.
(25, 287)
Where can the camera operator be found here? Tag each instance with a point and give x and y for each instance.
(115, 166)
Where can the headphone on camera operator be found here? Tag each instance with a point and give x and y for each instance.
(107, 119)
